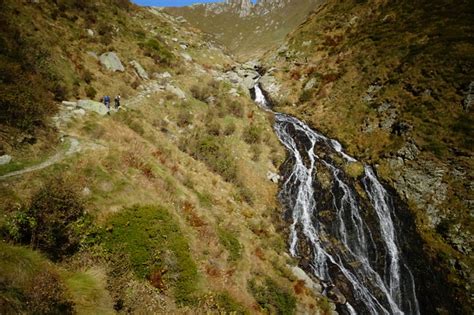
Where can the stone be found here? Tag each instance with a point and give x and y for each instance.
(409, 151)
(273, 177)
(176, 91)
(248, 83)
(93, 106)
(186, 57)
(164, 75)
(301, 275)
(111, 62)
(93, 55)
(5, 159)
(469, 99)
(139, 69)
(90, 32)
(86, 191)
(310, 84)
(184, 47)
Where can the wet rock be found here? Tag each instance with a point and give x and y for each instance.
(186, 57)
(93, 106)
(111, 62)
(5, 159)
(139, 69)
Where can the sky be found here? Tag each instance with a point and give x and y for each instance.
(172, 3)
(169, 3)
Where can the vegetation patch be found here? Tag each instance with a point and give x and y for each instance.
(231, 243)
(153, 242)
(272, 298)
(52, 222)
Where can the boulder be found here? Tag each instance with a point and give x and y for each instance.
(139, 69)
(270, 85)
(5, 159)
(176, 91)
(248, 83)
(111, 62)
(92, 106)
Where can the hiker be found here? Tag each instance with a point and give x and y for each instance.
(117, 101)
(107, 103)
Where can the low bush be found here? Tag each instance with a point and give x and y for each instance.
(151, 239)
(272, 298)
(156, 50)
(231, 243)
(252, 134)
(52, 221)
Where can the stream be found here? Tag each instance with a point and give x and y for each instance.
(342, 228)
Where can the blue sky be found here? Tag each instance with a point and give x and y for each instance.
(169, 3)
(172, 3)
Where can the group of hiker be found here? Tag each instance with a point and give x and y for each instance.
(106, 100)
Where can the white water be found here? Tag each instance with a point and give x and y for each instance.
(348, 244)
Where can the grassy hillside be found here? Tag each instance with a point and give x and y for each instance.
(251, 36)
(390, 80)
(162, 207)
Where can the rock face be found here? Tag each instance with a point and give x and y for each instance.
(111, 62)
(243, 7)
(93, 106)
(139, 69)
(271, 86)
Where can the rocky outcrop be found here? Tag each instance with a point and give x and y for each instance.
(271, 86)
(111, 62)
(93, 106)
(139, 69)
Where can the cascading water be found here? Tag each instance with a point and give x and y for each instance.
(356, 248)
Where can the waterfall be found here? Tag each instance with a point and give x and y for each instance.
(359, 245)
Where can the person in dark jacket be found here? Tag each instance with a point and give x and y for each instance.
(107, 103)
(117, 101)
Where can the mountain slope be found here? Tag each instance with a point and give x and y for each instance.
(391, 80)
(245, 29)
(164, 206)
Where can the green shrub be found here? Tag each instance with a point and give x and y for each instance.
(52, 220)
(252, 134)
(272, 297)
(212, 151)
(151, 239)
(91, 92)
(231, 243)
(158, 51)
(229, 305)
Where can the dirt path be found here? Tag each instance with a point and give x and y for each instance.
(74, 147)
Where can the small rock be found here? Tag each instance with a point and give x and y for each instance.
(5, 159)
(176, 91)
(186, 57)
(69, 104)
(86, 191)
(90, 32)
(467, 103)
(184, 47)
(310, 84)
(273, 177)
(93, 55)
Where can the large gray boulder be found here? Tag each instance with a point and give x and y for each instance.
(139, 69)
(111, 62)
(271, 86)
(93, 106)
